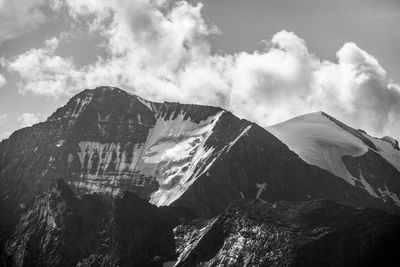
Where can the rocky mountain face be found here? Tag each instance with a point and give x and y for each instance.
(312, 233)
(61, 229)
(92, 230)
(362, 161)
(135, 169)
(106, 140)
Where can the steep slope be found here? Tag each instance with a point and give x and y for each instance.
(47, 234)
(107, 140)
(61, 229)
(359, 159)
(311, 233)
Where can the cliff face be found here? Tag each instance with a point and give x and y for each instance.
(109, 141)
(312, 233)
(64, 230)
(106, 140)
(61, 229)
(58, 230)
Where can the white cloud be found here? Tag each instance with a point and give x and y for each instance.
(44, 73)
(3, 80)
(20, 16)
(4, 135)
(159, 50)
(28, 119)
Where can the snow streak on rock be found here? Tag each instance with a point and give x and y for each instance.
(172, 157)
(179, 148)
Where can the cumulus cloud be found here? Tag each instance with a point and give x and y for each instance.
(19, 16)
(28, 119)
(44, 73)
(159, 50)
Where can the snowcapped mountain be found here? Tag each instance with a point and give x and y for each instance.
(111, 179)
(359, 159)
(107, 140)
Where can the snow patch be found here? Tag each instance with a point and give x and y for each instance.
(81, 105)
(175, 154)
(60, 143)
(387, 151)
(367, 186)
(386, 192)
(238, 137)
(148, 104)
(261, 188)
(321, 142)
(179, 144)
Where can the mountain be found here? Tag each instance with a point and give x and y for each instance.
(107, 140)
(114, 179)
(359, 159)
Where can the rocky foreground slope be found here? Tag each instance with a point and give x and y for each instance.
(92, 230)
(63, 230)
(310, 233)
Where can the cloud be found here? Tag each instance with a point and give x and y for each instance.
(28, 119)
(44, 73)
(4, 135)
(20, 16)
(160, 50)
(287, 80)
(3, 81)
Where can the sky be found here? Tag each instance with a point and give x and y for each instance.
(264, 60)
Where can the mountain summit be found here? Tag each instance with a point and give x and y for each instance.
(359, 159)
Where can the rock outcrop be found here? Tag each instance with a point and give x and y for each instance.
(61, 229)
(312, 233)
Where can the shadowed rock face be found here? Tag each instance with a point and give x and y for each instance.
(58, 230)
(63, 230)
(377, 172)
(312, 233)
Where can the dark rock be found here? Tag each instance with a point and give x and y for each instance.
(378, 173)
(312, 233)
(63, 230)
(58, 230)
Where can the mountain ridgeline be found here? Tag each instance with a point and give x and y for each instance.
(123, 161)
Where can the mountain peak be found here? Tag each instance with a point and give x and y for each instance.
(107, 140)
(356, 157)
(392, 141)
